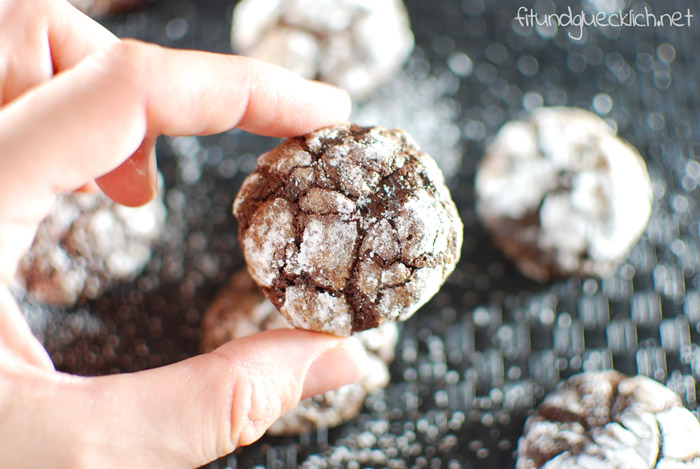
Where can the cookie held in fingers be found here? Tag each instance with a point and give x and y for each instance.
(347, 228)
(608, 420)
(240, 309)
(561, 194)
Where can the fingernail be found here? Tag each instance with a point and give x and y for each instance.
(135, 181)
(337, 367)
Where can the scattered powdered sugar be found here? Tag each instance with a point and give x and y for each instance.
(385, 434)
(420, 104)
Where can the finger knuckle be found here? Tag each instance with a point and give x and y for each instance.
(257, 403)
(130, 62)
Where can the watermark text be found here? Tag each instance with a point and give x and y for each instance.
(527, 17)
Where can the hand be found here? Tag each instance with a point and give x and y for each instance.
(78, 105)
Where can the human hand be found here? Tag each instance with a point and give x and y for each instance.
(78, 104)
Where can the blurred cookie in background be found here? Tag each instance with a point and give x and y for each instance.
(87, 244)
(562, 194)
(354, 44)
(240, 309)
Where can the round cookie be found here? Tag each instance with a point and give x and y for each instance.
(86, 244)
(240, 309)
(348, 228)
(354, 44)
(561, 194)
(607, 420)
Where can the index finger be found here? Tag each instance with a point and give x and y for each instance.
(89, 119)
(94, 116)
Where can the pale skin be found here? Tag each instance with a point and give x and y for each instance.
(79, 106)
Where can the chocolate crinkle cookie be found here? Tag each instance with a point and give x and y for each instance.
(240, 309)
(348, 228)
(87, 244)
(355, 44)
(607, 420)
(561, 194)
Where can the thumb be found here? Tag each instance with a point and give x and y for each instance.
(181, 415)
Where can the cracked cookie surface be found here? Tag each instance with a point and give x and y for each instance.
(348, 227)
(607, 420)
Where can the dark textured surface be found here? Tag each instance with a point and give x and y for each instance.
(354, 217)
(473, 362)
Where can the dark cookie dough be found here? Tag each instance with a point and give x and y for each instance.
(561, 194)
(354, 44)
(607, 420)
(85, 245)
(348, 228)
(240, 309)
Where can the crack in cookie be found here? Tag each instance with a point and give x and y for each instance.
(367, 237)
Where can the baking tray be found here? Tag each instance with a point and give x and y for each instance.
(475, 361)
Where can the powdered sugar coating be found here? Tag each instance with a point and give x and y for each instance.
(308, 308)
(323, 235)
(364, 232)
(355, 44)
(562, 194)
(86, 244)
(271, 231)
(606, 420)
(240, 309)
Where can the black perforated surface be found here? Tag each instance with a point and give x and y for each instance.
(474, 361)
